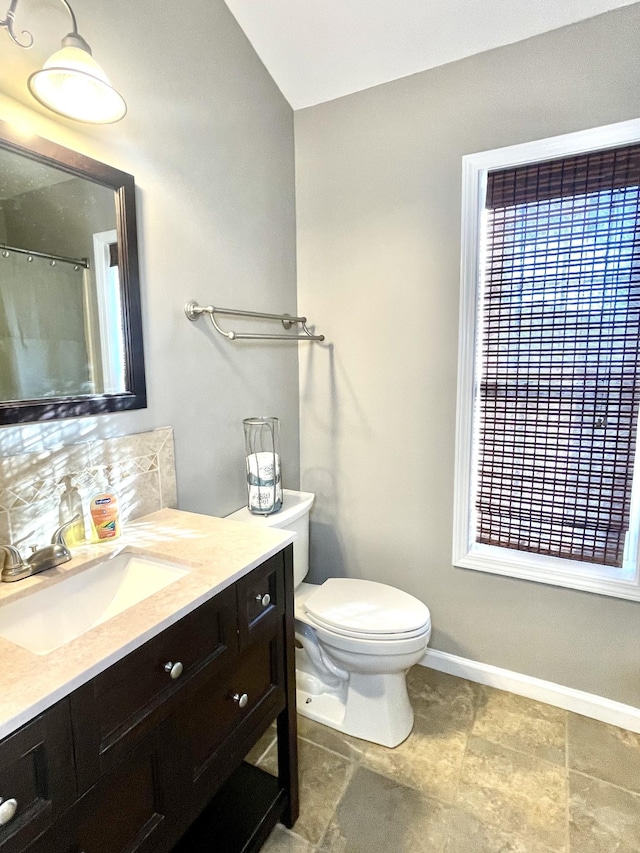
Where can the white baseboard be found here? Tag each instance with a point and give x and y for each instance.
(587, 704)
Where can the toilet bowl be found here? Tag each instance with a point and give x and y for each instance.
(355, 640)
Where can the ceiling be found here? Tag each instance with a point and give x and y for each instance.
(22, 174)
(318, 50)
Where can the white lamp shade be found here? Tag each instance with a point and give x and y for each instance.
(72, 83)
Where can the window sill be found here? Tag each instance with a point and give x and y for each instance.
(589, 577)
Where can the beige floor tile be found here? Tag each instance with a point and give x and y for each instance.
(267, 740)
(603, 818)
(522, 724)
(604, 751)
(323, 779)
(466, 834)
(429, 760)
(350, 747)
(518, 794)
(434, 693)
(377, 815)
(283, 841)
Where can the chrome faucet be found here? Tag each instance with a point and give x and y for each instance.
(48, 557)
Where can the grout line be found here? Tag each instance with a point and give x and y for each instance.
(353, 764)
(517, 751)
(347, 782)
(263, 754)
(328, 749)
(300, 837)
(456, 795)
(605, 782)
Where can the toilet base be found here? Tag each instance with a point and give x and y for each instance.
(375, 708)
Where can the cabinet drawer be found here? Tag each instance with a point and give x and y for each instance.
(120, 705)
(261, 600)
(36, 770)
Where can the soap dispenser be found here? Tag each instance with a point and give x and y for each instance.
(69, 507)
(104, 511)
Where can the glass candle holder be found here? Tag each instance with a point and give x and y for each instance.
(264, 481)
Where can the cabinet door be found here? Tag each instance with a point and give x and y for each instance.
(261, 600)
(222, 717)
(130, 809)
(120, 706)
(37, 772)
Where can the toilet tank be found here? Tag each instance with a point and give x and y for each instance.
(294, 515)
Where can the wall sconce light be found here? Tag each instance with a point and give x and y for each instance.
(71, 83)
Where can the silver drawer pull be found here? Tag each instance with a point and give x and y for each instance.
(265, 600)
(174, 669)
(241, 699)
(8, 808)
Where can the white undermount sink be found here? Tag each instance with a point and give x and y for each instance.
(44, 620)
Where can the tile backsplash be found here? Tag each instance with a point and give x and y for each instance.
(142, 473)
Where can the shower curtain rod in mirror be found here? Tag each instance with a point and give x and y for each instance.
(79, 262)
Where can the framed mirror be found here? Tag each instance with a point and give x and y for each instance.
(70, 311)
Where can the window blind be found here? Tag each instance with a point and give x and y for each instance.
(559, 354)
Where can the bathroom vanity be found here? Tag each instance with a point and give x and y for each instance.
(138, 729)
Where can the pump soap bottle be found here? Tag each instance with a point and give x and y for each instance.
(71, 506)
(105, 513)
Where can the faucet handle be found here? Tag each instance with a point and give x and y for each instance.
(13, 566)
(12, 558)
(58, 536)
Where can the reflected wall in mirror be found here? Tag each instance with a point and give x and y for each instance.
(70, 324)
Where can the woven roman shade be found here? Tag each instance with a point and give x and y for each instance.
(559, 345)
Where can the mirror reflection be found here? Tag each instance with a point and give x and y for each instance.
(70, 309)
(61, 331)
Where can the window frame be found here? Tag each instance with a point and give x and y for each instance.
(467, 553)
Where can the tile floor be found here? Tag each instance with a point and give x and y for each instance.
(483, 772)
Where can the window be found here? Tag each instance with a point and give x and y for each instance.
(549, 385)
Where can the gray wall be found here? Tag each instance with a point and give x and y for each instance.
(209, 139)
(378, 183)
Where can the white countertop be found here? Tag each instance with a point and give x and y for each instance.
(216, 551)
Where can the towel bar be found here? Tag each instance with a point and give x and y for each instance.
(193, 311)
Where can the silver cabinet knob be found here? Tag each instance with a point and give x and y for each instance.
(241, 699)
(8, 808)
(265, 600)
(174, 669)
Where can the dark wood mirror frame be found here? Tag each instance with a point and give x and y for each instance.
(123, 185)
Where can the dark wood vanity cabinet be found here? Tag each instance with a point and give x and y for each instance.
(148, 757)
(36, 771)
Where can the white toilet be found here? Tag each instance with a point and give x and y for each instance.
(357, 640)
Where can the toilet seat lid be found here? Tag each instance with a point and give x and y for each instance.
(367, 608)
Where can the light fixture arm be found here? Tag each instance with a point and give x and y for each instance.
(74, 23)
(9, 22)
(73, 39)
